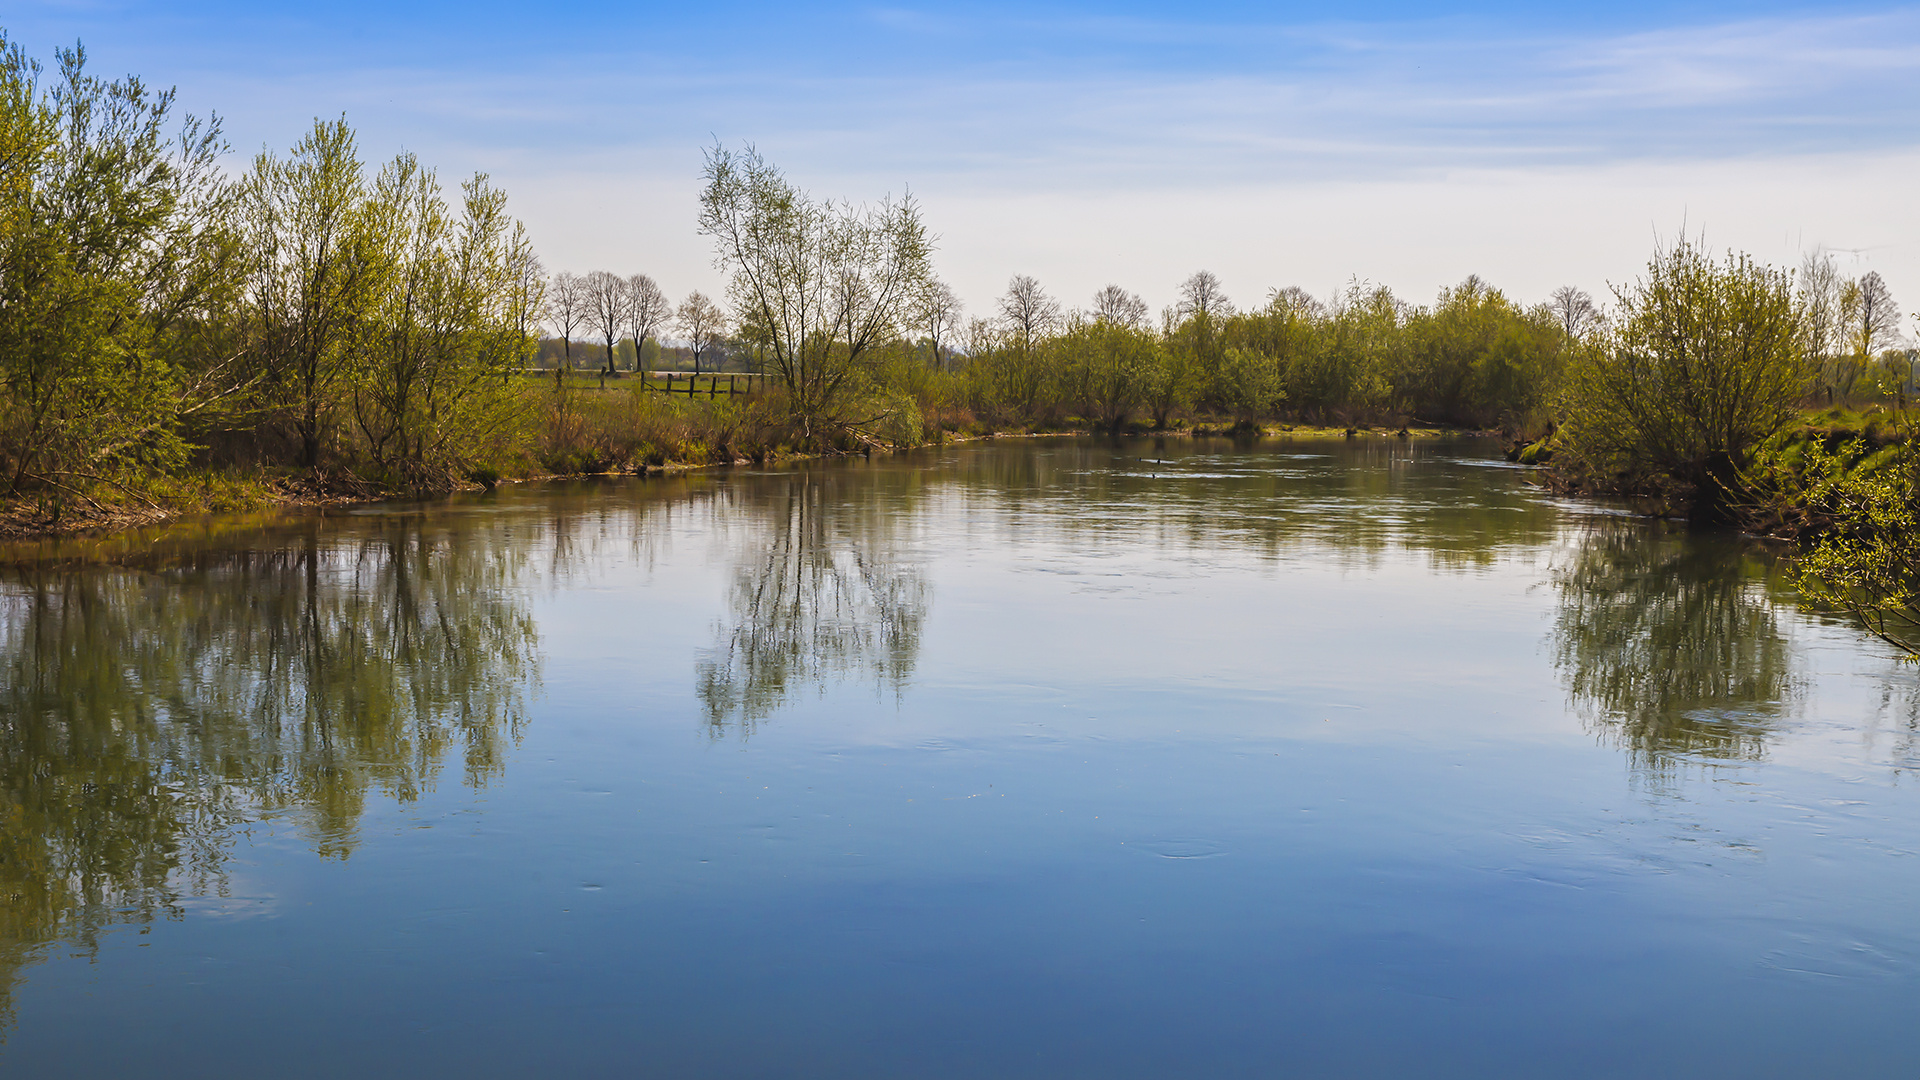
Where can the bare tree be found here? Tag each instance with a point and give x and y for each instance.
(1819, 288)
(648, 309)
(702, 321)
(1820, 291)
(1875, 322)
(1296, 301)
(607, 304)
(528, 295)
(1116, 305)
(939, 315)
(1575, 310)
(567, 310)
(981, 336)
(1201, 295)
(819, 286)
(1028, 311)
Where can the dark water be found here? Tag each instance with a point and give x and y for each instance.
(1031, 759)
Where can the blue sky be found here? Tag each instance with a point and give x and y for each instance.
(1274, 144)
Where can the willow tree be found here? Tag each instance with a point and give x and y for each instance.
(315, 258)
(445, 326)
(117, 267)
(1704, 362)
(1109, 366)
(819, 286)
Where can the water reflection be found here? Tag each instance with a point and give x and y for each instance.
(1308, 499)
(1669, 644)
(821, 593)
(145, 714)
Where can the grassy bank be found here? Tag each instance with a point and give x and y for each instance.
(587, 425)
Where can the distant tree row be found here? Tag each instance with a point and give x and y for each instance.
(608, 308)
(844, 304)
(1472, 358)
(1845, 324)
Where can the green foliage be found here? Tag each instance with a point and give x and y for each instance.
(1866, 561)
(1250, 385)
(432, 383)
(1704, 363)
(821, 288)
(1111, 369)
(387, 325)
(154, 311)
(117, 269)
(1473, 359)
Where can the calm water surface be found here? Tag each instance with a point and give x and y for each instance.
(1061, 759)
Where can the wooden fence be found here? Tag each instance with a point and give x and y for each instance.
(670, 382)
(735, 383)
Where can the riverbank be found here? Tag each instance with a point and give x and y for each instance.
(105, 508)
(1779, 491)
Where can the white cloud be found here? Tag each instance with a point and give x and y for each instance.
(1413, 153)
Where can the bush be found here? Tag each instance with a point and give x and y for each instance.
(1703, 365)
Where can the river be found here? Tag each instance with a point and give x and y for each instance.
(1033, 758)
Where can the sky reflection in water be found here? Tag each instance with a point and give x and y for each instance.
(1050, 759)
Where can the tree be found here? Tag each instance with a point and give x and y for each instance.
(1575, 311)
(939, 315)
(1193, 338)
(528, 292)
(1112, 365)
(1297, 302)
(120, 277)
(703, 323)
(1027, 310)
(818, 286)
(608, 299)
(568, 307)
(310, 281)
(1875, 322)
(1116, 305)
(647, 311)
(1819, 289)
(444, 327)
(1705, 362)
(1201, 295)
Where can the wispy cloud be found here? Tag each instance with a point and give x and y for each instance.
(1172, 117)
(1130, 101)
(1341, 100)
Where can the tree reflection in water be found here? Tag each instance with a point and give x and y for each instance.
(821, 594)
(1670, 646)
(145, 715)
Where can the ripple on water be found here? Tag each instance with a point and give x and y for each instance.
(1182, 848)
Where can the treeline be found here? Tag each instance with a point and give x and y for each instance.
(625, 316)
(842, 305)
(157, 313)
(1473, 358)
